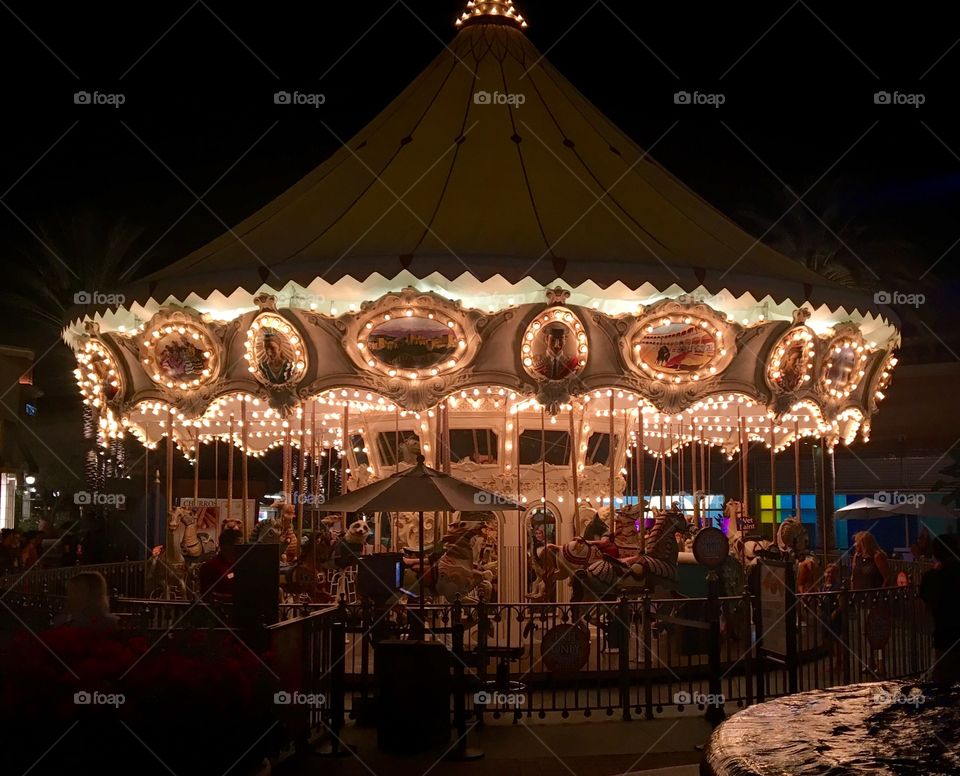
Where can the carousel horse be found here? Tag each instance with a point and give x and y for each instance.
(563, 561)
(455, 573)
(656, 568)
(162, 580)
(194, 546)
(792, 537)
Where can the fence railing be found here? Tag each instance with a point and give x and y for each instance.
(629, 658)
(127, 578)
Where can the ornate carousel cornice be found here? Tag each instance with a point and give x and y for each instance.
(186, 367)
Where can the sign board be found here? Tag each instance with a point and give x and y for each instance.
(773, 606)
(211, 512)
(565, 648)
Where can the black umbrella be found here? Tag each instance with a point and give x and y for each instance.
(420, 489)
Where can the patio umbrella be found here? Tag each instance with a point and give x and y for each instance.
(865, 508)
(868, 508)
(420, 489)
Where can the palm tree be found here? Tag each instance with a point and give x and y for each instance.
(830, 238)
(83, 253)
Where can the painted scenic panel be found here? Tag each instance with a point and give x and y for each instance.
(676, 347)
(412, 343)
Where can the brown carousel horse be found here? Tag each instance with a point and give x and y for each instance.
(653, 569)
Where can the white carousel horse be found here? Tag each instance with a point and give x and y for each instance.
(654, 569)
(456, 572)
(194, 546)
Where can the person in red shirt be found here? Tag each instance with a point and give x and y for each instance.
(216, 575)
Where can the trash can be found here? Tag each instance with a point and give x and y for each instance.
(413, 696)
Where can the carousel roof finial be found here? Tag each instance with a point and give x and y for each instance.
(491, 12)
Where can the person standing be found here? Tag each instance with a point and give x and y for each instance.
(870, 567)
(940, 590)
(216, 575)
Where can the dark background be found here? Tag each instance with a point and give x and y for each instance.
(199, 81)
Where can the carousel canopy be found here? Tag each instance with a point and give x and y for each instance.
(490, 168)
(488, 256)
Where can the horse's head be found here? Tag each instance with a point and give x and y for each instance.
(733, 509)
(792, 536)
(180, 515)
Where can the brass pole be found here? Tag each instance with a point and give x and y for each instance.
(574, 469)
(773, 476)
(230, 457)
(612, 464)
(641, 477)
(196, 471)
(663, 466)
(301, 485)
(796, 467)
(346, 439)
(244, 471)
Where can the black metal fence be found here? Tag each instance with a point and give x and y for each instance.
(127, 578)
(628, 658)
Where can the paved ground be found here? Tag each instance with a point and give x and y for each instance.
(601, 748)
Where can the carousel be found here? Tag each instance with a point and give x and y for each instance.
(493, 277)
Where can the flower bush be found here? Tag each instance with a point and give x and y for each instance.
(109, 701)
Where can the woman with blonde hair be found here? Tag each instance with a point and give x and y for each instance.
(87, 605)
(870, 567)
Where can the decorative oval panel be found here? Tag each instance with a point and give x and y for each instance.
(97, 373)
(680, 347)
(275, 352)
(843, 366)
(178, 353)
(791, 362)
(412, 343)
(554, 345)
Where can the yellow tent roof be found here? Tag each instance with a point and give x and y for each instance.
(492, 163)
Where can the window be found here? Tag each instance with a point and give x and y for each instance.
(359, 450)
(598, 448)
(387, 447)
(536, 445)
(477, 445)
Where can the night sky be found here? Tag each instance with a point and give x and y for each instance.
(199, 119)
